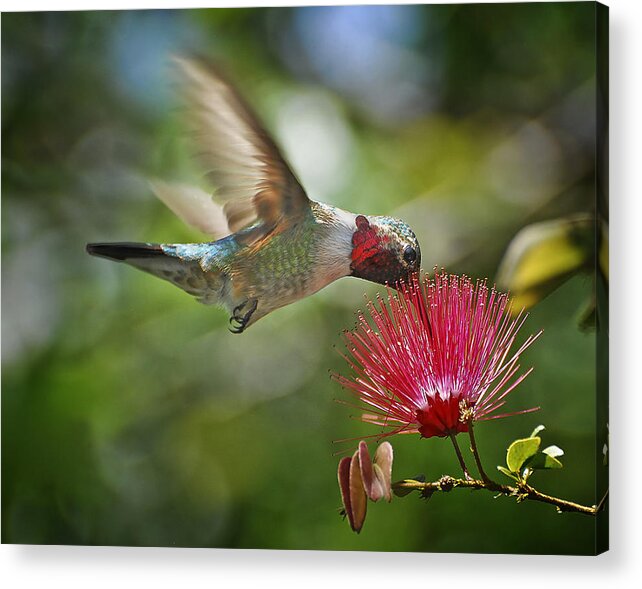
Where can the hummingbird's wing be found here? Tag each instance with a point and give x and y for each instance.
(194, 206)
(252, 178)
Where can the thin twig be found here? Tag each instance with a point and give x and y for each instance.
(460, 457)
(473, 447)
(600, 505)
(521, 492)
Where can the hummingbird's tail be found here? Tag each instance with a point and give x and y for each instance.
(125, 251)
(168, 263)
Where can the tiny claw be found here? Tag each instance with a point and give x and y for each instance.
(242, 320)
(237, 328)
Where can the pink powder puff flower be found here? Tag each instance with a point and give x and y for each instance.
(436, 357)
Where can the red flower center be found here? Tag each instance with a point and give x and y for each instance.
(441, 416)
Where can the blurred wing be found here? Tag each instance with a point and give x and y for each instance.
(194, 206)
(242, 161)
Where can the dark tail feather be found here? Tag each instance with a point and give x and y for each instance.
(187, 274)
(125, 251)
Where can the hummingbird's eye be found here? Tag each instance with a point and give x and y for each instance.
(409, 254)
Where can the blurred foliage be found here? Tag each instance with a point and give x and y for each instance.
(544, 255)
(130, 415)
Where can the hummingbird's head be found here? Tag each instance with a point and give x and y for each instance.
(384, 250)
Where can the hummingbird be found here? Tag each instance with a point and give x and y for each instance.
(272, 245)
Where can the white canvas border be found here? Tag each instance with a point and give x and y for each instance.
(102, 567)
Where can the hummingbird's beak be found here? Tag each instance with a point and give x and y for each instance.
(406, 279)
(400, 282)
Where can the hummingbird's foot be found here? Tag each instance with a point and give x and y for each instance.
(239, 318)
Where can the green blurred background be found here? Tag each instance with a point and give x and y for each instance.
(131, 416)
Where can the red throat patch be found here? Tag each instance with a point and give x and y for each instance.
(365, 242)
(368, 254)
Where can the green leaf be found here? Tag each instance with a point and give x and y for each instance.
(520, 451)
(539, 428)
(543, 461)
(553, 451)
(507, 472)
